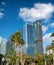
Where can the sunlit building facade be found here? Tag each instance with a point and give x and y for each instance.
(3, 46)
(37, 37)
(28, 38)
(9, 47)
(32, 35)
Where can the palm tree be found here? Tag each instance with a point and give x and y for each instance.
(16, 38)
(12, 57)
(52, 35)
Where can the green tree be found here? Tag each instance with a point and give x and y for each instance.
(1, 57)
(39, 59)
(52, 35)
(12, 57)
(16, 38)
(49, 58)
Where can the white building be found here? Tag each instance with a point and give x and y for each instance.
(3, 46)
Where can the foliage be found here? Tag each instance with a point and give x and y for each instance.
(17, 38)
(39, 59)
(51, 46)
(52, 35)
(49, 58)
(12, 57)
(1, 57)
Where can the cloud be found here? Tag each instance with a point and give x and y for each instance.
(52, 25)
(44, 29)
(1, 9)
(3, 3)
(47, 39)
(1, 15)
(39, 11)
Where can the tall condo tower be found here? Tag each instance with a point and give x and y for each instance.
(28, 38)
(37, 37)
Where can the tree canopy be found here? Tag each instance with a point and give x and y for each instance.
(52, 35)
(17, 38)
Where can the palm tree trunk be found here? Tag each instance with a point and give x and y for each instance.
(15, 52)
(53, 58)
(21, 55)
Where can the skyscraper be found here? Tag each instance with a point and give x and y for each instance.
(28, 38)
(37, 37)
(3, 46)
(9, 47)
(32, 35)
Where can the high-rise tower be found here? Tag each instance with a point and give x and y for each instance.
(32, 35)
(28, 38)
(37, 37)
(3, 46)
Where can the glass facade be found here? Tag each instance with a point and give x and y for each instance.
(3, 46)
(30, 50)
(32, 35)
(28, 38)
(37, 36)
(9, 47)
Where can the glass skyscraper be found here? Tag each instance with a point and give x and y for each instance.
(28, 38)
(32, 35)
(9, 47)
(37, 37)
(3, 46)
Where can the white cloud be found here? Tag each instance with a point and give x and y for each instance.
(44, 28)
(3, 3)
(1, 14)
(1, 9)
(52, 25)
(39, 11)
(47, 39)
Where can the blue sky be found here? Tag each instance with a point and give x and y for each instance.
(14, 13)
